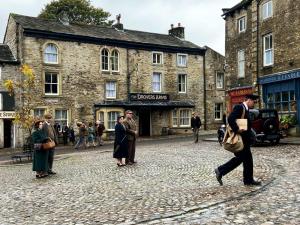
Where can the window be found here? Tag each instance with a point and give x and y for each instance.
(101, 116)
(39, 113)
(182, 83)
(51, 54)
(114, 60)
(112, 119)
(220, 80)
(174, 118)
(182, 60)
(1, 102)
(283, 102)
(61, 118)
(267, 10)
(111, 91)
(184, 118)
(51, 83)
(241, 63)
(156, 82)
(104, 60)
(157, 57)
(242, 24)
(268, 50)
(218, 111)
(0, 73)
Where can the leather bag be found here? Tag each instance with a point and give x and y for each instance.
(48, 145)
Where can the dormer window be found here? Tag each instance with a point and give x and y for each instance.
(51, 54)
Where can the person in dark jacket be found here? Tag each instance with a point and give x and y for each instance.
(244, 156)
(40, 157)
(65, 132)
(99, 131)
(121, 142)
(196, 125)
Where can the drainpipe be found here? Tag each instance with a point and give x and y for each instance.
(128, 77)
(204, 93)
(257, 51)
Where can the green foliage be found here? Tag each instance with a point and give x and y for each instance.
(77, 11)
(290, 120)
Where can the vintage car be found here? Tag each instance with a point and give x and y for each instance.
(265, 125)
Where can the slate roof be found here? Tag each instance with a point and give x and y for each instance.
(238, 6)
(40, 26)
(5, 54)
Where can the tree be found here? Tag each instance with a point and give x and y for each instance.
(25, 89)
(76, 11)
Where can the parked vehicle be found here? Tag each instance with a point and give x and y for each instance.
(265, 125)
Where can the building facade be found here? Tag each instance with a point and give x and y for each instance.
(262, 53)
(90, 73)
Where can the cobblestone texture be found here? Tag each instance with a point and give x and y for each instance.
(173, 183)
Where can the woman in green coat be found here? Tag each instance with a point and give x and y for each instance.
(40, 157)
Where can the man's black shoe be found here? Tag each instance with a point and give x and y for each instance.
(219, 177)
(51, 172)
(253, 183)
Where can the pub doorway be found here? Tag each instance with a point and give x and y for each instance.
(144, 122)
(7, 133)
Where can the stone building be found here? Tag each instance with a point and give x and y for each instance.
(262, 53)
(90, 73)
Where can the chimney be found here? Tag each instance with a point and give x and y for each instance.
(118, 25)
(177, 31)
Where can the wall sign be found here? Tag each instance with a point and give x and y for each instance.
(7, 114)
(149, 97)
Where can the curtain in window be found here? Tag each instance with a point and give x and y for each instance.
(51, 54)
(111, 89)
(156, 82)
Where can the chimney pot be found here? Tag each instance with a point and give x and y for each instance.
(172, 26)
(179, 24)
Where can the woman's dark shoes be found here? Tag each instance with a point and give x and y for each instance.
(253, 183)
(39, 176)
(120, 164)
(219, 176)
(51, 172)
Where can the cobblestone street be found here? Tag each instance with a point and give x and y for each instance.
(172, 183)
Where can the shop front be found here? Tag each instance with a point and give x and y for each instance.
(237, 96)
(155, 114)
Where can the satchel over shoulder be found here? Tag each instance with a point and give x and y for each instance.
(48, 145)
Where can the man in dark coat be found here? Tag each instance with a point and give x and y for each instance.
(195, 124)
(244, 156)
(131, 131)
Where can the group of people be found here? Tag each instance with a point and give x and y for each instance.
(125, 139)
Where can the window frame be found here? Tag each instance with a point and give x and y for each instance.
(62, 120)
(160, 82)
(241, 62)
(188, 118)
(271, 49)
(115, 90)
(267, 7)
(161, 58)
(175, 118)
(242, 29)
(223, 80)
(220, 110)
(39, 115)
(178, 61)
(58, 83)
(0, 73)
(45, 53)
(112, 121)
(107, 57)
(180, 84)
(112, 58)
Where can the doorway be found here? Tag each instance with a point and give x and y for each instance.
(144, 122)
(7, 133)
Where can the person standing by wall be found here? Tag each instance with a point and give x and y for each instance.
(50, 132)
(91, 135)
(65, 132)
(99, 131)
(82, 134)
(196, 125)
(131, 130)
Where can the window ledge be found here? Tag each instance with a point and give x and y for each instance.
(51, 64)
(105, 72)
(52, 96)
(268, 66)
(115, 72)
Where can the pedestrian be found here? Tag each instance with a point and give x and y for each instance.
(196, 125)
(50, 133)
(72, 136)
(65, 132)
(82, 136)
(244, 156)
(91, 136)
(121, 142)
(40, 156)
(131, 132)
(99, 131)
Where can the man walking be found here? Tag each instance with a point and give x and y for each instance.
(99, 131)
(195, 124)
(50, 132)
(244, 156)
(131, 131)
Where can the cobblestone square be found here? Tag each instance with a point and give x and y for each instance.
(172, 183)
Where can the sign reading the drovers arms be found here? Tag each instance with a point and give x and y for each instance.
(149, 97)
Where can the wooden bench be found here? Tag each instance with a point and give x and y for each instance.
(27, 153)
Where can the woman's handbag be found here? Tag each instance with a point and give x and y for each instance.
(48, 145)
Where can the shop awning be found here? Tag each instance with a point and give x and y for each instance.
(154, 104)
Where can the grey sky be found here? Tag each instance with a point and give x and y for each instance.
(201, 18)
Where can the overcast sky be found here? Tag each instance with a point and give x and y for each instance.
(201, 18)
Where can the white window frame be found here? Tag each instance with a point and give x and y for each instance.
(37, 112)
(111, 120)
(217, 80)
(0, 73)
(101, 116)
(267, 10)
(51, 53)
(187, 118)
(1, 102)
(265, 51)
(114, 60)
(61, 120)
(155, 82)
(180, 62)
(241, 63)
(175, 118)
(102, 59)
(242, 24)
(218, 109)
(107, 89)
(155, 58)
(57, 84)
(181, 84)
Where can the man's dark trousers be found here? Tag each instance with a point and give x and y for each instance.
(51, 158)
